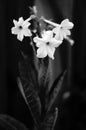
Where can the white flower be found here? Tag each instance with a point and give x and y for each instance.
(62, 31)
(21, 28)
(46, 45)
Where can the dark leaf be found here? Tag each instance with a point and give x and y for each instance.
(9, 123)
(44, 72)
(55, 89)
(49, 121)
(28, 71)
(32, 100)
(29, 87)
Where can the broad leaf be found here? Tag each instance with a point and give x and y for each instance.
(32, 100)
(9, 123)
(55, 89)
(28, 84)
(49, 121)
(28, 71)
(43, 71)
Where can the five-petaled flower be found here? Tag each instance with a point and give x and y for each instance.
(21, 28)
(46, 45)
(62, 31)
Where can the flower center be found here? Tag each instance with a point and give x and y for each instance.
(53, 34)
(47, 43)
(20, 27)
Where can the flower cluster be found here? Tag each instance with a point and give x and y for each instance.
(49, 40)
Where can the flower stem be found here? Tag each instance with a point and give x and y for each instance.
(30, 18)
(49, 22)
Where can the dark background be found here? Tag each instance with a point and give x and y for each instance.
(72, 110)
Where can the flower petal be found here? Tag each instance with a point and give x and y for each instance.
(55, 43)
(26, 24)
(67, 32)
(41, 52)
(61, 35)
(39, 41)
(27, 32)
(51, 51)
(47, 35)
(15, 30)
(15, 22)
(21, 20)
(20, 36)
(67, 24)
(56, 31)
(64, 33)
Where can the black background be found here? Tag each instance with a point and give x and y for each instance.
(72, 111)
